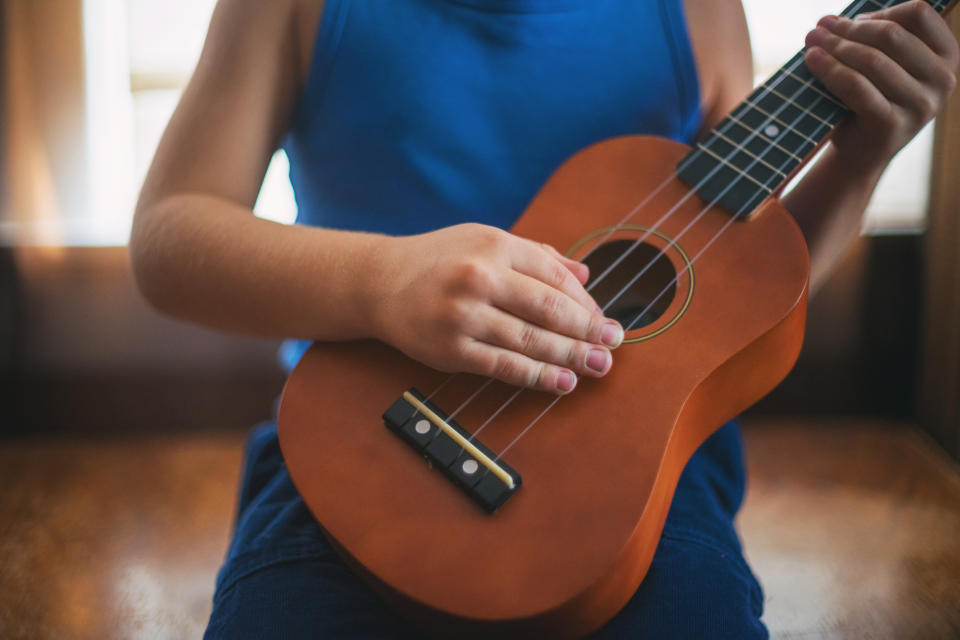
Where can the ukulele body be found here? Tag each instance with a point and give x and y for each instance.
(569, 549)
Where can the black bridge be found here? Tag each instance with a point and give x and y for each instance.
(468, 463)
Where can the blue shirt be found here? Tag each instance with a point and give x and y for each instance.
(421, 114)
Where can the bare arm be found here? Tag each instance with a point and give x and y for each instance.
(894, 73)
(467, 298)
(197, 250)
(895, 69)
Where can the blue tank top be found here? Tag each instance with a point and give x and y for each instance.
(421, 114)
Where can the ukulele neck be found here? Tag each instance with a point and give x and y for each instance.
(753, 152)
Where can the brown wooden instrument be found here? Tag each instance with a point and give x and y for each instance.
(722, 306)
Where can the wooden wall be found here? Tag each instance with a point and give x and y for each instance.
(860, 352)
(84, 352)
(939, 380)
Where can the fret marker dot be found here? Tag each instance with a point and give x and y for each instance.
(422, 427)
(771, 130)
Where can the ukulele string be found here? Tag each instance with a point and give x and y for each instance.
(734, 118)
(853, 9)
(936, 5)
(490, 381)
(553, 402)
(738, 147)
(603, 239)
(439, 388)
(662, 252)
(676, 277)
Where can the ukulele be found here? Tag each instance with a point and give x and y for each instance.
(481, 509)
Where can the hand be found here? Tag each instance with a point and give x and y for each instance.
(894, 68)
(477, 299)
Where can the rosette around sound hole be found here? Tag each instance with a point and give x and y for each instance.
(641, 286)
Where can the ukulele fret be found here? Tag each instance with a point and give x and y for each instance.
(778, 126)
(448, 447)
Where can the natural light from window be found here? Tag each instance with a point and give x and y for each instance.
(140, 53)
(777, 31)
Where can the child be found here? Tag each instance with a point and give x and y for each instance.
(417, 130)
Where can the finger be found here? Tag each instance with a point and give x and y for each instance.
(544, 306)
(517, 369)
(858, 93)
(578, 269)
(502, 329)
(906, 49)
(923, 21)
(531, 259)
(876, 66)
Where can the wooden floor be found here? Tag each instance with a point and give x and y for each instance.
(853, 527)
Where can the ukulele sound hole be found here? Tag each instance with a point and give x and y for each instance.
(656, 285)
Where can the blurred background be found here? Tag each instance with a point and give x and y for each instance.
(121, 430)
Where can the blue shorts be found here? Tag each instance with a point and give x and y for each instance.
(281, 579)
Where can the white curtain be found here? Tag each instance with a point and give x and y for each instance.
(45, 177)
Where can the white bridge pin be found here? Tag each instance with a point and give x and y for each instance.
(470, 467)
(422, 427)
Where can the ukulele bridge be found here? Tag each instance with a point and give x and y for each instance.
(449, 447)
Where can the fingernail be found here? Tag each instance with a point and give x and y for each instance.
(815, 37)
(598, 360)
(612, 334)
(566, 381)
(830, 22)
(814, 55)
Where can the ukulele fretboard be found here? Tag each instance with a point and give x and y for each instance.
(755, 149)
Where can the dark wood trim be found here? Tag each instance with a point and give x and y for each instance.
(939, 390)
(138, 404)
(860, 350)
(81, 352)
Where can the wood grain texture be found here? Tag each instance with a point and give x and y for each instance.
(851, 524)
(569, 549)
(939, 384)
(113, 537)
(853, 527)
(81, 558)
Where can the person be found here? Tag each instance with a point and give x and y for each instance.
(417, 131)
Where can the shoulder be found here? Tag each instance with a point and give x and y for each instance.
(235, 20)
(721, 48)
(308, 14)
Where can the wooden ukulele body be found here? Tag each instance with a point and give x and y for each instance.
(565, 553)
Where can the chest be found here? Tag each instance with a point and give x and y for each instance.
(702, 34)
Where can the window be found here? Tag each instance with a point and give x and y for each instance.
(139, 55)
(777, 30)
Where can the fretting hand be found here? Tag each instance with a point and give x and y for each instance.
(477, 299)
(894, 68)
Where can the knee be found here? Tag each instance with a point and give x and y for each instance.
(694, 589)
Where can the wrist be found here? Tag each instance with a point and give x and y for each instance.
(856, 168)
(345, 285)
(858, 161)
(376, 286)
